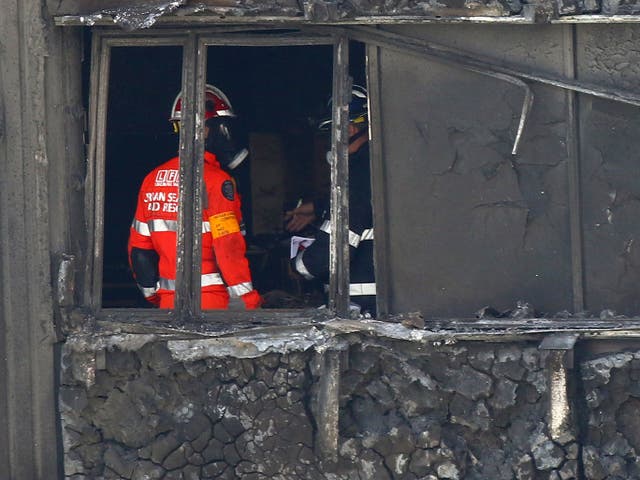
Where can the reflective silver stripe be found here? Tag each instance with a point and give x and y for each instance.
(354, 238)
(356, 289)
(163, 225)
(167, 284)
(148, 291)
(240, 289)
(301, 269)
(172, 226)
(206, 280)
(141, 227)
(366, 234)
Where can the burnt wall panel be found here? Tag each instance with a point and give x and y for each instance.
(470, 224)
(143, 408)
(316, 10)
(27, 399)
(610, 142)
(610, 415)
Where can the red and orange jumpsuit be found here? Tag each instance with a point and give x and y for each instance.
(225, 269)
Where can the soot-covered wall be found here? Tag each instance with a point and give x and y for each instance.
(143, 407)
(468, 223)
(410, 405)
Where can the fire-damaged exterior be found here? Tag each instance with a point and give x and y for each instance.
(504, 140)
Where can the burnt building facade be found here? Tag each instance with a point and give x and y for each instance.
(503, 156)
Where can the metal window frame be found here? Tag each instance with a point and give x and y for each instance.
(194, 43)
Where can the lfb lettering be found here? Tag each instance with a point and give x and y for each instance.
(167, 178)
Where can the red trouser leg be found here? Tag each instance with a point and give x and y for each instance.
(215, 299)
(210, 300)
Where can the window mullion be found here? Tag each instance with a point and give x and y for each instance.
(339, 244)
(187, 279)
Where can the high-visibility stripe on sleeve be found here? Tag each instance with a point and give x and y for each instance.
(160, 225)
(301, 268)
(366, 234)
(141, 227)
(240, 289)
(354, 238)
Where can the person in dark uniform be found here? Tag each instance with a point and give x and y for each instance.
(313, 261)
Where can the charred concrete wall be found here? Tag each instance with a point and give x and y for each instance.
(489, 226)
(407, 410)
(129, 12)
(609, 413)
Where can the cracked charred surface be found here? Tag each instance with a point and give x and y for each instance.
(138, 14)
(141, 409)
(610, 413)
(611, 196)
(135, 14)
(431, 399)
(485, 223)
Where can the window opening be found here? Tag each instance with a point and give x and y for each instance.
(280, 93)
(142, 84)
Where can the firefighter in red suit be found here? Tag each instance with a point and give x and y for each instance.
(152, 237)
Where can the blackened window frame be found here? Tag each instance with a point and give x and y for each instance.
(194, 43)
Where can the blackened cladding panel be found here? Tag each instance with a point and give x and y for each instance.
(469, 224)
(610, 169)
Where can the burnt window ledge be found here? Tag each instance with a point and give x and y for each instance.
(270, 327)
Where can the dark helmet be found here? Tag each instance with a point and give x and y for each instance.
(358, 108)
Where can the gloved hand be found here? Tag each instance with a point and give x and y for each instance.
(252, 300)
(150, 294)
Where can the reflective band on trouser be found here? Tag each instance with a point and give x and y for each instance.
(206, 280)
(358, 289)
(300, 267)
(240, 289)
(159, 225)
(354, 238)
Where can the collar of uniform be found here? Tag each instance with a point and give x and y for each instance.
(211, 158)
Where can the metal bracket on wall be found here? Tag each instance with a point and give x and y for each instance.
(330, 363)
(65, 291)
(560, 360)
